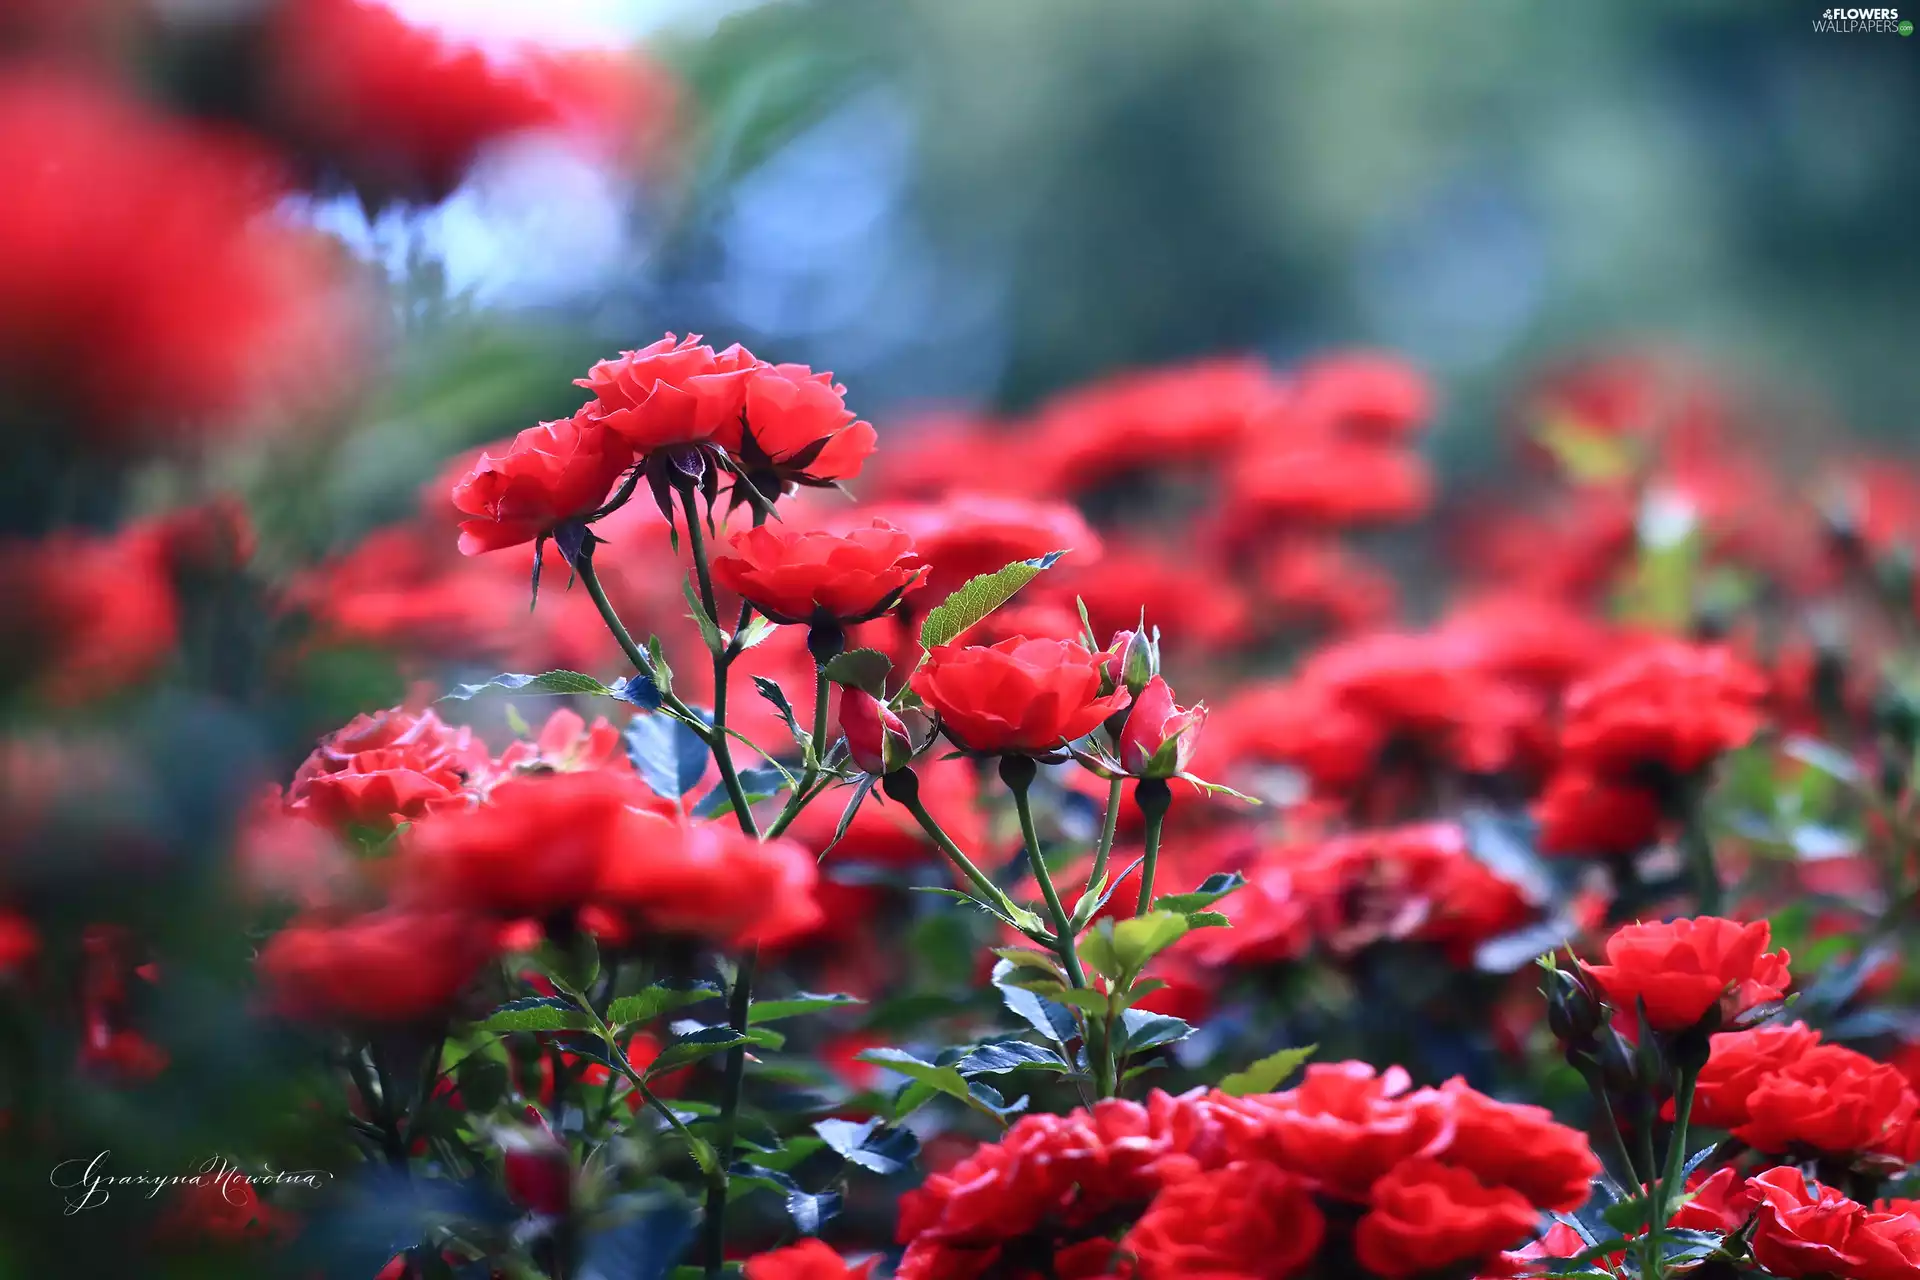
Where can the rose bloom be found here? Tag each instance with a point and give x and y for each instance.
(86, 615)
(1688, 968)
(796, 577)
(389, 767)
(1244, 1219)
(1836, 1101)
(549, 474)
(1518, 1145)
(1212, 609)
(1360, 395)
(1582, 816)
(540, 843)
(1426, 1216)
(1323, 484)
(1346, 1125)
(795, 428)
(1669, 706)
(674, 392)
(387, 967)
(1804, 1229)
(1739, 1061)
(709, 880)
(967, 535)
(1019, 697)
(811, 1259)
(1155, 722)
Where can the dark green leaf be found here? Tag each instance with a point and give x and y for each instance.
(536, 1013)
(760, 782)
(1009, 1055)
(805, 1002)
(549, 683)
(864, 669)
(661, 998)
(691, 1048)
(1211, 890)
(668, 754)
(1145, 1030)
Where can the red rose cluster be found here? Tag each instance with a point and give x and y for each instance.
(557, 829)
(1353, 1169)
(1785, 1094)
(774, 425)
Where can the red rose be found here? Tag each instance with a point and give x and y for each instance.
(1427, 1216)
(1361, 395)
(710, 880)
(1512, 1144)
(1159, 738)
(876, 737)
(390, 966)
(1888, 1246)
(1804, 1229)
(86, 615)
(1835, 1101)
(1244, 1221)
(1345, 1126)
(1739, 1061)
(808, 1260)
(1722, 1202)
(540, 843)
(549, 474)
(1582, 816)
(1018, 697)
(1325, 483)
(795, 428)
(671, 393)
(1688, 968)
(537, 1169)
(1670, 705)
(389, 767)
(796, 577)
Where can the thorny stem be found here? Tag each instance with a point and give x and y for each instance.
(1153, 796)
(722, 753)
(1017, 772)
(903, 786)
(798, 799)
(1104, 849)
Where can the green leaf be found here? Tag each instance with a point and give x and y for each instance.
(865, 669)
(1208, 920)
(661, 998)
(537, 1013)
(1146, 1030)
(1028, 958)
(757, 629)
(685, 1050)
(668, 755)
(1009, 1055)
(1120, 951)
(1268, 1073)
(710, 633)
(941, 1079)
(549, 683)
(1211, 890)
(861, 789)
(761, 782)
(806, 1002)
(662, 673)
(979, 597)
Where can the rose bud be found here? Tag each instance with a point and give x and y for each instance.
(1160, 737)
(538, 1169)
(876, 737)
(1133, 658)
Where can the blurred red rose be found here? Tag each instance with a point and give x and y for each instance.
(219, 1206)
(537, 1169)
(147, 283)
(710, 880)
(86, 614)
(1017, 697)
(1582, 816)
(967, 535)
(1246, 1219)
(1668, 705)
(387, 967)
(1361, 395)
(548, 475)
(809, 1260)
(540, 843)
(1686, 969)
(389, 767)
(1427, 1216)
(802, 577)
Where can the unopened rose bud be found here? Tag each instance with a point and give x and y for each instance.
(1160, 737)
(1572, 1013)
(538, 1171)
(1139, 661)
(876, 738)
